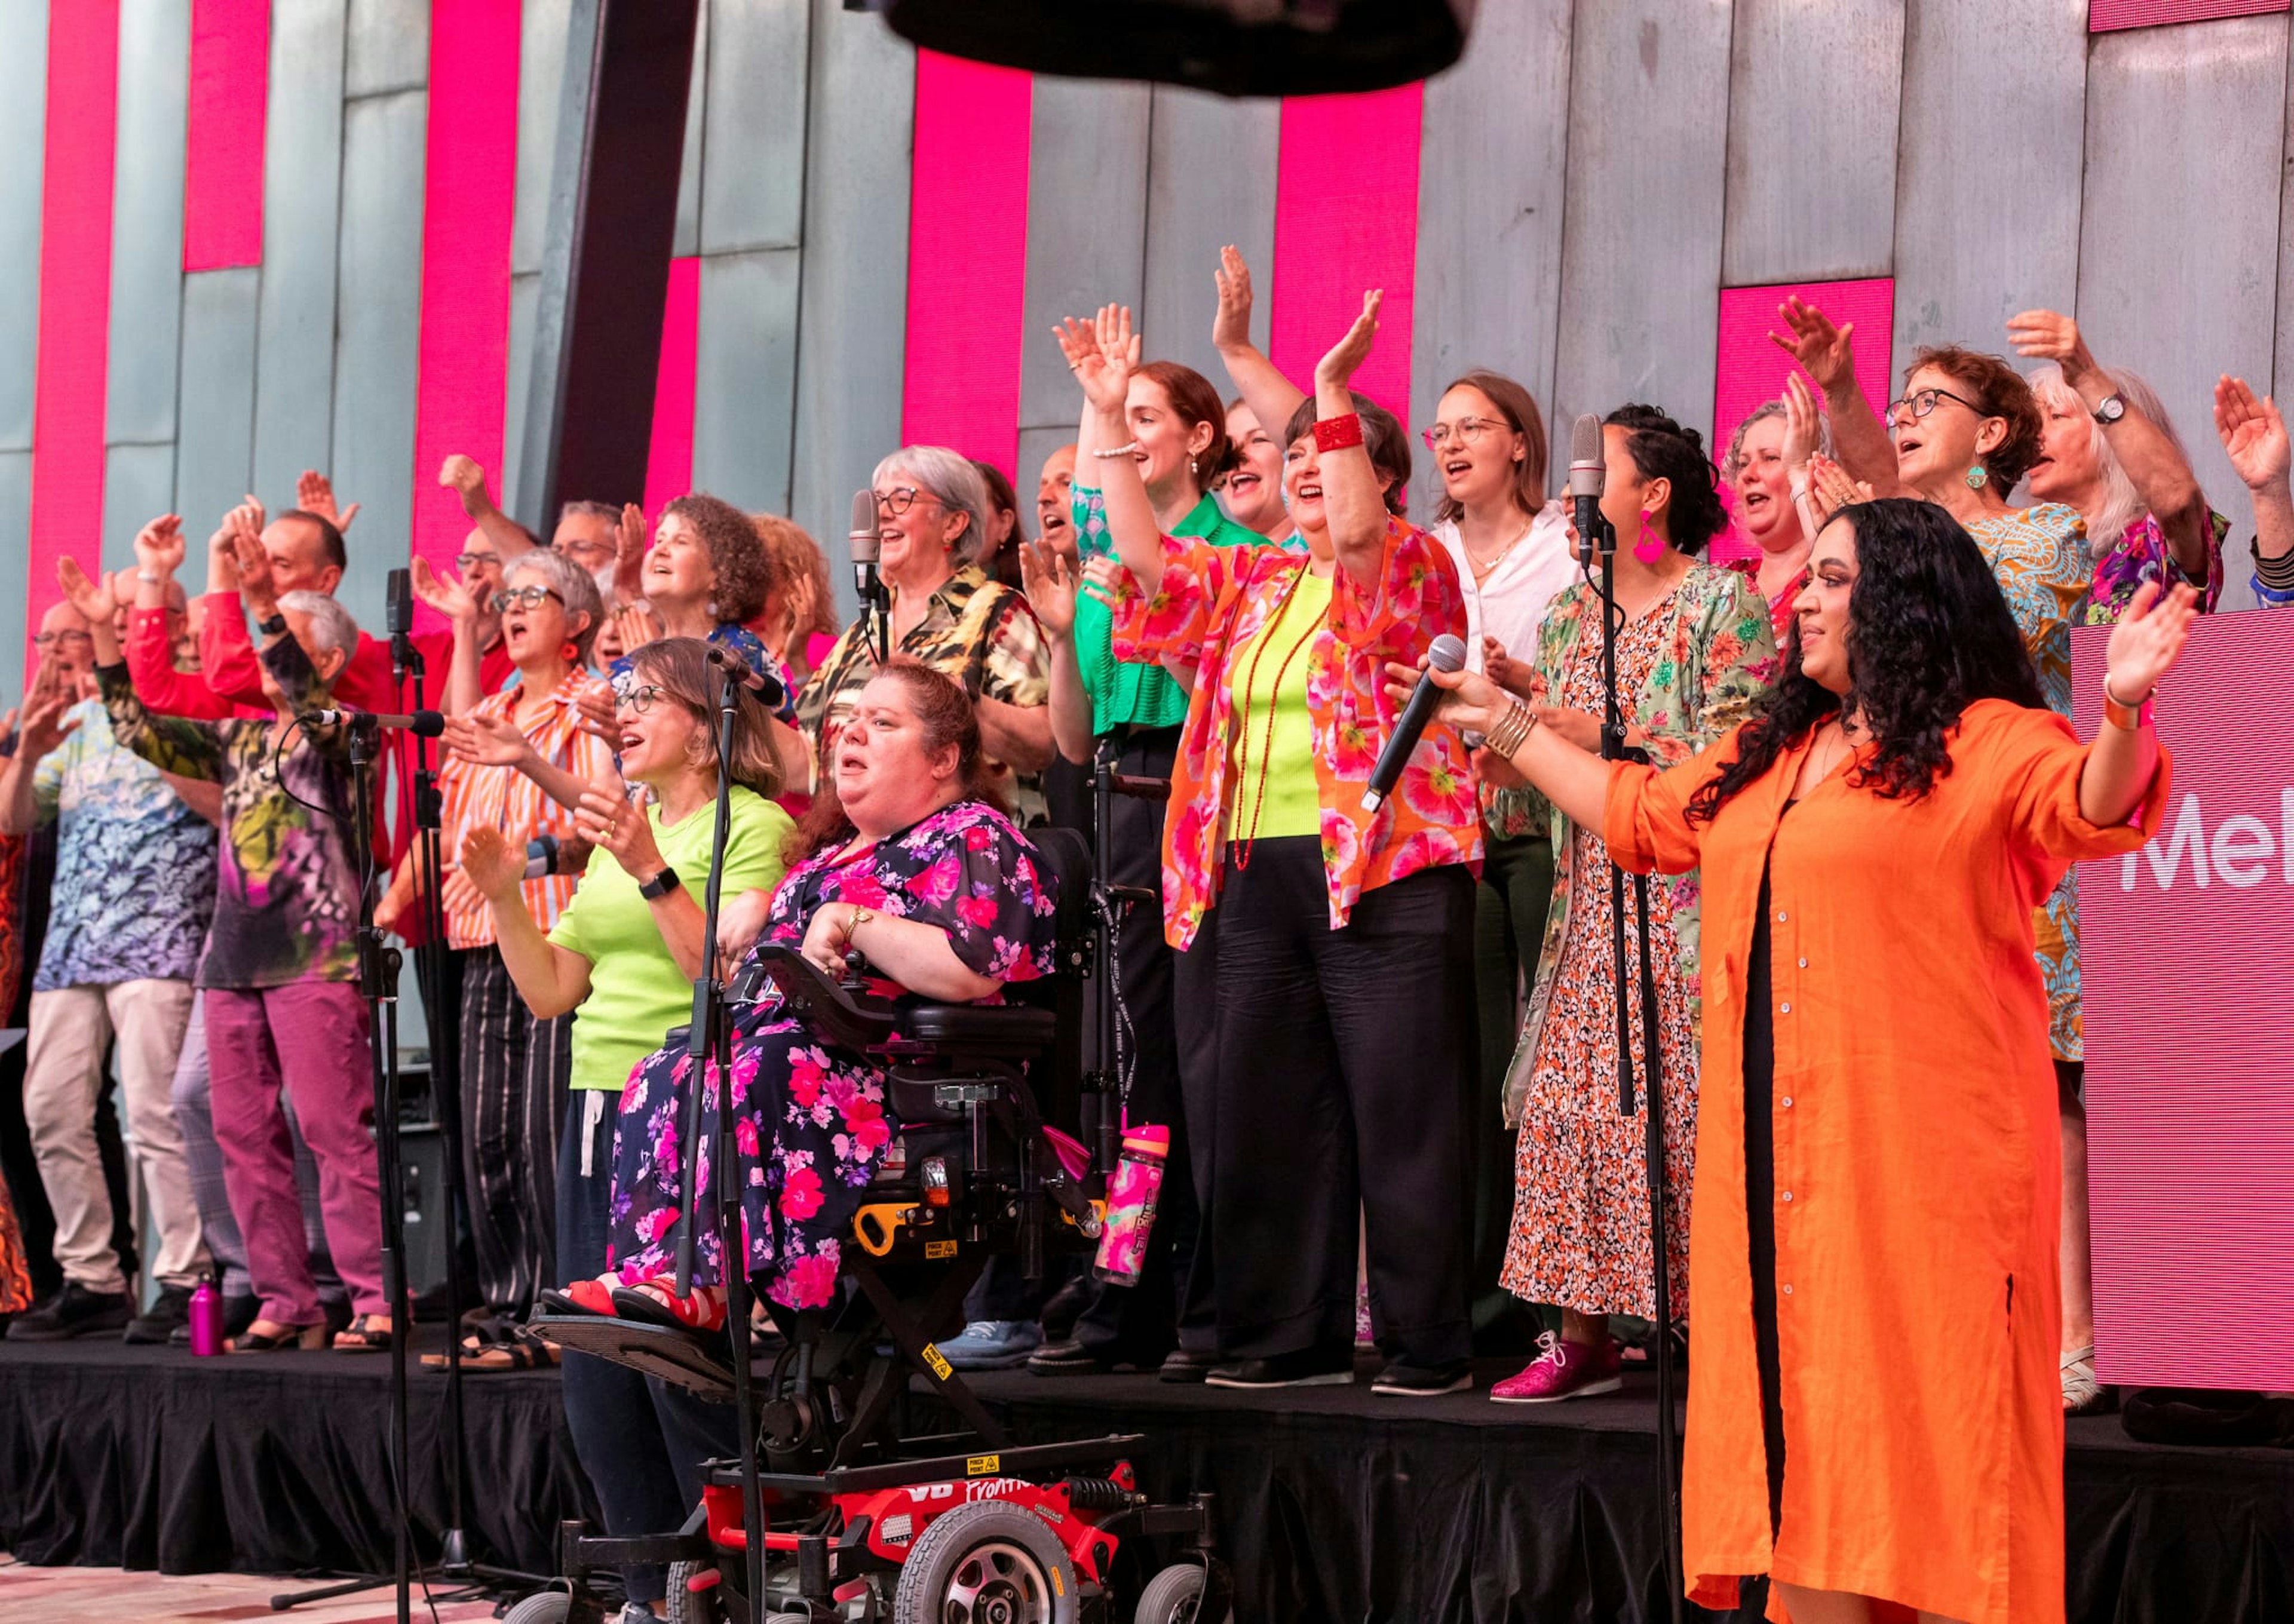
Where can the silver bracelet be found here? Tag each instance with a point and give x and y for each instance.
(1116, 451)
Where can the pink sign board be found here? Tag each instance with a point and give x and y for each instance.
(2190, 1038)
(2103, 16)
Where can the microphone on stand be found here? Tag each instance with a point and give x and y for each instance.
(398, 612)
(1448, 653)
(1588, 473)
(762, 686)
(421, 724)
(867, 542)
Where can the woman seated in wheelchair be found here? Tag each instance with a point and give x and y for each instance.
(906, 860)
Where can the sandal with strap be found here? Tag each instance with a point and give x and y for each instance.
(520, 1350)
(285, 1339)
(364, 1334)
(2082, 1394)
(581, 1297)
(654, 1303)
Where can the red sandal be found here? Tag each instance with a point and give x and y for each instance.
(581, 1297)
(656, 1302)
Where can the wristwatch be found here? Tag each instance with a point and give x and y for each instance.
(2110, 409)
(275, 626)
(660, 886)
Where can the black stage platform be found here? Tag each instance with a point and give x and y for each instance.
(1336, 1506)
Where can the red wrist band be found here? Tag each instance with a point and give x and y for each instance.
(1336, 434)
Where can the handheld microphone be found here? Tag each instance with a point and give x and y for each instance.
(1448, 653)
(1589, 472)
(421, 724)
(765, 690)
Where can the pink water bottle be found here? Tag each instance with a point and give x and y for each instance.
(1131, 1194)
(205, 1319)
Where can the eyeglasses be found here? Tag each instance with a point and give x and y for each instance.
(899, 499)
(641, 700)
(464, 561)
(582, 549)
(1465, 432)
(522, 597)
(1901, 412)
(49, 639)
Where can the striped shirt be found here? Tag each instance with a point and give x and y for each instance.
(505, 799)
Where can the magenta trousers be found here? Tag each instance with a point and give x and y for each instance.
(311, 1036)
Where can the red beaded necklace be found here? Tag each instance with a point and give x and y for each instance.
(1241, 844)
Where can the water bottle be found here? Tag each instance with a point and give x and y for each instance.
(206, 1319)
(1131, 1204)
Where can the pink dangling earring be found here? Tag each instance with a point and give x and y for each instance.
(1650, 547)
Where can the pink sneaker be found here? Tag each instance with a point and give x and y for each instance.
(1564, 1370)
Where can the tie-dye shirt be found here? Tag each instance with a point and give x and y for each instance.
(287, 886)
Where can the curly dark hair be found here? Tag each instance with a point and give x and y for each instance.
(1998, 391)
(1929, 634)
(743, 570)
(1662, 449)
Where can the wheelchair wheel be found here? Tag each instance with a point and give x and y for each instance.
(542, 1607)
(986, 1563)
(686, 1607)
(1173, 1597)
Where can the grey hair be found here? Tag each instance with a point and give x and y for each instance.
(580, 508)
(2122, 505)
(331, 626)
(951, 476)
(576, 589)
(1731, 463)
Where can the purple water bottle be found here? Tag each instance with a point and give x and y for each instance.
(206, 1319)
(1131, 1195)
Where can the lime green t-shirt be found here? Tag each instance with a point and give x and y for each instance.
(1276, 792)
(637, 993)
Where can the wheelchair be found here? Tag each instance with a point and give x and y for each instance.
(867, 1520)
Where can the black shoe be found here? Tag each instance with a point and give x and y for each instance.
(152, 1327)
(73, 1312)
(1307, 1368)
(1184, 1367)
(1066, 1307)
(1066, 1356)
(1418, 1382)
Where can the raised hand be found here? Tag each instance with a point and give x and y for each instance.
(1830, 489)
(629, 550)
(315, 492)
(1231, 327)
(1346, 357)
(486, 742)
(634, 627)
(449, 599)
(1049, 583)
(492, 864)
(256, 588)
(92, 596)
(1804, 420)
(159, 544)
(1101, 354)
(2253, 434)
(42, 723)
(468, 481)
(1823, 350)
(1105, 581)
(607, 821)
(2148, 639)
(596, 705)
(2048, 335)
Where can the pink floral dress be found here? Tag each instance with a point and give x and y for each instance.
(812, 1126)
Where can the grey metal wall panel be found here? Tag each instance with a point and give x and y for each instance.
(753, 125)
(1087, 227)
(745, 384)
(525, 299)
(540, 81)
(23, 113)
(1813, 117)
(2196, 133)
(214, 464)
(1210, 180)
(851, 329)
(686, 239)
(1987, 167)
(389, 46)
(147, 220)
(302, 192)
(15, 563)
(1493, 144)
(139, 484)
(1640, 263)
(377, 335)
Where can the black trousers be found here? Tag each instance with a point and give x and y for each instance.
(1345, 1060)
(514, 1071)
(1510, 906)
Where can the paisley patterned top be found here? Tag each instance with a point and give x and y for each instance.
(1718, 655)
(1215, 599)
(2142, 553)
(286, 891)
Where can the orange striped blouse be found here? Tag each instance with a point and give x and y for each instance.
(502, 797)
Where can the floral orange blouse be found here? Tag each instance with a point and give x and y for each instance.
(1213, 600)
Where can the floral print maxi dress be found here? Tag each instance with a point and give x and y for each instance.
(1688, 669)
(812, 1128)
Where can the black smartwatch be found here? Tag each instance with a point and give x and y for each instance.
(275, 626)
(660, 886)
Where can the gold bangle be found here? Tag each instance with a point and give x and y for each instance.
(2119, 714)
(1512, 730)
(860, 916)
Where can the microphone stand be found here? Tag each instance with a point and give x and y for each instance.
(1613, 748)
(874, 609)
(709, 1046)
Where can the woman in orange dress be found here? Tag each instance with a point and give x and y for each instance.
(1873, 1419)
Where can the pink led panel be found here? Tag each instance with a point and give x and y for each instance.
(669, 456)
(222, 137)
(1749, 370)
(2102, 16)
(2190, 1046)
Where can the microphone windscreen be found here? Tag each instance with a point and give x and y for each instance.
(1588, 467)
(866, 543)
(1446, 654)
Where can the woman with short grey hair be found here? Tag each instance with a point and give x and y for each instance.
(932, 513)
